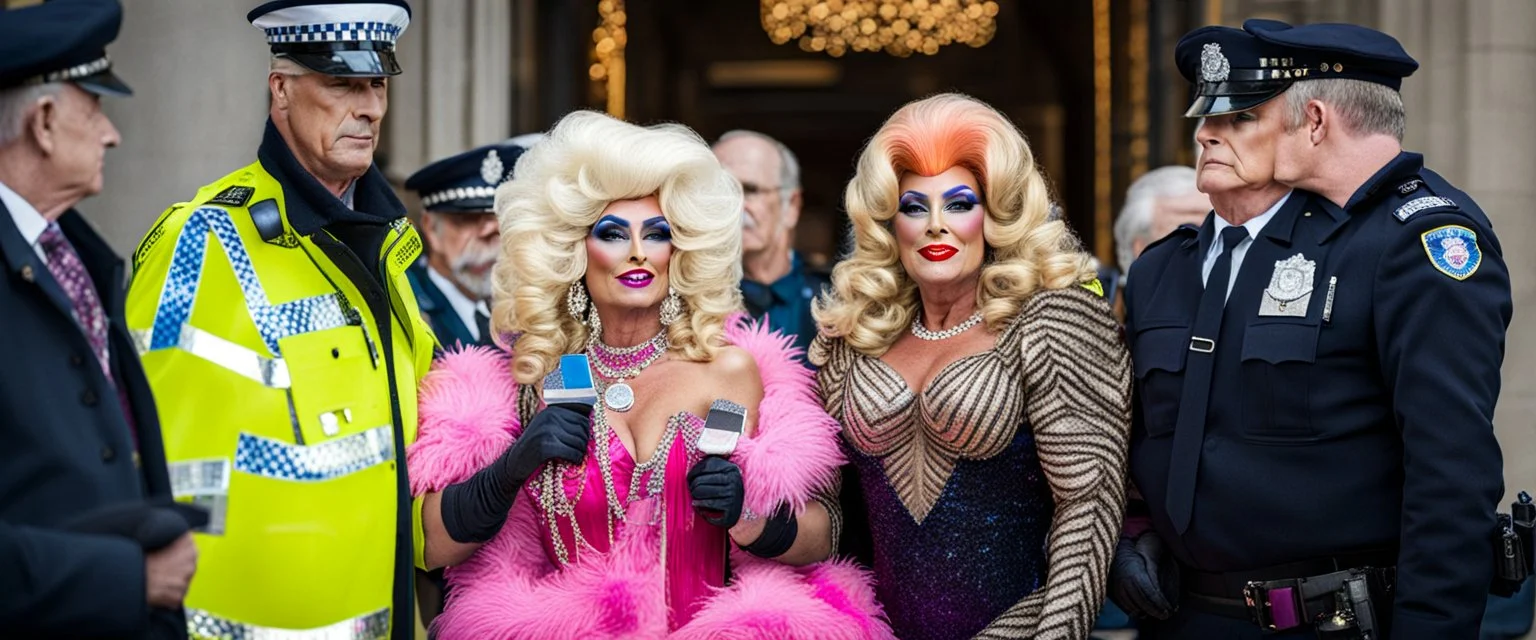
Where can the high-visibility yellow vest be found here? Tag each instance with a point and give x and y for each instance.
(280, 409)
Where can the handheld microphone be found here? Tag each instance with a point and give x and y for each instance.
(571, 382)
(722, 428)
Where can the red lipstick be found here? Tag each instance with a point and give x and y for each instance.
(938, 252)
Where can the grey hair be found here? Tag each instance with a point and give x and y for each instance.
(286, 66)
(789, 167)
(1135, 220)
(16, 103)
(1364, 107)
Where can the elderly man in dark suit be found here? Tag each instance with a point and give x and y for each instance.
(89, 544)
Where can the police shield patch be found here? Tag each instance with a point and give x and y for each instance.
(1453, 250)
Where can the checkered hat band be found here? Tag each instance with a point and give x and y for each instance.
(76, 72)
(461, 193)
(334, 32)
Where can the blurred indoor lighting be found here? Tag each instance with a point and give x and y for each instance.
(898, 27)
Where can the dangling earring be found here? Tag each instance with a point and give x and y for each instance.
(576, 301)
(671, 308)
(594, 323)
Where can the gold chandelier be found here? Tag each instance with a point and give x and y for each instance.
(898, 27)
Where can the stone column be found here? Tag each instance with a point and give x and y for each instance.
(457, 88)
(198, 71)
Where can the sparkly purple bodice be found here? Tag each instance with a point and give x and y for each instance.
(980, 550)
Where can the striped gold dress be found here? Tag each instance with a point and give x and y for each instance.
(993, 496)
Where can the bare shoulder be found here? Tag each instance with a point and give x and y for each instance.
(735, 364)
(731, 374)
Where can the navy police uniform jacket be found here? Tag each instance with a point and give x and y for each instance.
(447, 326)
(68, 450)
(1364, 422)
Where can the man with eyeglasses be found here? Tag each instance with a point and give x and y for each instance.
(776, 284)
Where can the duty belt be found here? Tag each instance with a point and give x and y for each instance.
(1312, 592)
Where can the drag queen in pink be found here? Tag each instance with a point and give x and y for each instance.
(562, 520)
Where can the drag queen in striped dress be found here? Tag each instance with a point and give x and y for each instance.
(981, 382)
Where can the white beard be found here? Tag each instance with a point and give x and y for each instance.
(479, 286)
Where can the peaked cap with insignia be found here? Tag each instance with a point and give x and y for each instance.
(1236, 70)
(344, 38)
(61, 41)
(465, 183)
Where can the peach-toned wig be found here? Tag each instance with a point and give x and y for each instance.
(872, 299)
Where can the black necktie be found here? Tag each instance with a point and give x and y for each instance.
(1189, 431)
(483, 325)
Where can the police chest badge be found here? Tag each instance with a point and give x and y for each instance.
(1453, 250)
(1290, 288)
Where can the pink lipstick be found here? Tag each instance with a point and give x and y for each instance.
(636, 279)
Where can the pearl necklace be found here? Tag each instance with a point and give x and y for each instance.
(922, 333)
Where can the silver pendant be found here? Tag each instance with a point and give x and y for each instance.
(619, 397)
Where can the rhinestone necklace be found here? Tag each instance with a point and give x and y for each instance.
(558, 505)
(620, 363)
(922, 333)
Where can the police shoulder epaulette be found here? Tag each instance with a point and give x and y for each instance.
(1425, 201)
(235, 196)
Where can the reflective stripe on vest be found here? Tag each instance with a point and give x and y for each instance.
(316, 463)
(269, 372)
(370, 626)
(206, 483)
(273, 321)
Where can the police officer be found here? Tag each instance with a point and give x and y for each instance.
(284, 343)
(453, 283)
(1313, 430)
(88, 544)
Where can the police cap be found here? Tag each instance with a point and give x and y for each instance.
(465, 183)
(345, 38)
(1238, 69)
(61, 41)
(1339, 51)
(1232, 70)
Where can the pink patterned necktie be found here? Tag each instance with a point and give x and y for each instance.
(71, 275)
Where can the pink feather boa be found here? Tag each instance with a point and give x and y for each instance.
(509, 589)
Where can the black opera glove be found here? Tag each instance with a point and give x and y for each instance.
(717, 490)
(475, 509)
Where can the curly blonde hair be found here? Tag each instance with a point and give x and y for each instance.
(559, 190)
(872, 299)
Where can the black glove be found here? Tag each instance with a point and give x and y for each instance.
(1141, 582)
(475, 509)
(715, 484)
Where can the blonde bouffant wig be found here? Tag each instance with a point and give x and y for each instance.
(873, 300)
(558, 192)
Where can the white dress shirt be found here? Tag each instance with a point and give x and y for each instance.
(28, 221)
(462, 305)
(1253, 226)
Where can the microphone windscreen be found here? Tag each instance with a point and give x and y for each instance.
(571, 382)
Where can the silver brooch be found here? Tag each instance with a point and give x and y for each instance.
(490, 168)
(1213, 65)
